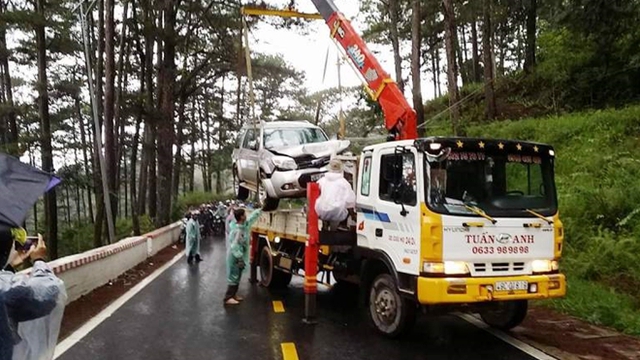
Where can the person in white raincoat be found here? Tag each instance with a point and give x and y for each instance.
(193, 238)
(31, 306)
(336, 196)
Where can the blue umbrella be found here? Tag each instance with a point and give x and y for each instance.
(20, 187)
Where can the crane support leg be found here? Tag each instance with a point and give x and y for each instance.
(311, 255)
(253, 261)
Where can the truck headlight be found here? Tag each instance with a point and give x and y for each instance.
(544, 266)
(447, 268)
(284, 163)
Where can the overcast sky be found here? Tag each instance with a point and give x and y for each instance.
(306, 52)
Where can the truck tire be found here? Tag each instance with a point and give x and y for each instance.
(390, 314)
(270, 204)
(241, 192)
(508, 315)
(269, 276)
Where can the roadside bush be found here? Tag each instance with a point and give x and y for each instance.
(77, 239)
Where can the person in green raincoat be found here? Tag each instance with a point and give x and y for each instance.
(238, 244)
(193, 238)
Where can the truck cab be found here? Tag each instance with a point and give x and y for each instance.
(442, 224)
(460, 221)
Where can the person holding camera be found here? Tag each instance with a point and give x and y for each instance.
(26, 300)
(238, 245)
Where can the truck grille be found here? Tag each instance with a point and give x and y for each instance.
(310, 161)
(498, 267)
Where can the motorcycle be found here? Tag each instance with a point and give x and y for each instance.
(218, 225)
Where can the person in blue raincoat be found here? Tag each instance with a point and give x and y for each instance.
(238, 244)
(31, 307)
(193, 238)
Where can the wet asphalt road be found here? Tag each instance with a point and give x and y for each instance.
(180, 316)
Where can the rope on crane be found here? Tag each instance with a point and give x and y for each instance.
(247, 56)
(324, 74)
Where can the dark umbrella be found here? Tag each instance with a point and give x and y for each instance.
(20, 187)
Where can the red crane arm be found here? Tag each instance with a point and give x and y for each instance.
(400, 117)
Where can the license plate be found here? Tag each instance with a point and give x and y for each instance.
(511, 285)
(316, 177)
(285, 263)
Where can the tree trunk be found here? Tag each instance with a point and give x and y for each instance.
(434, 70)
(111, 160)
(175, 182)
(452, 67)
(487, 51)
(119, 130)
(394, 13)
(67, 204)
(152, 177)
(416, 56)
(134, 155)
(207, 116)
(460, 60)
(192, 171)
(149, 122)
(166, 133)
(222, 137)
(51, 208)
(11, 118)
(530, 52)
(85, 157)
(437, 57)
(477, 77)
(203, 157)
(77, 184)
(132, 183)
(100, 62)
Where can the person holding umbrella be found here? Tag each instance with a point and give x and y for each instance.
(31, 306)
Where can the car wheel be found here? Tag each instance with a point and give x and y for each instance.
(268, 203)
(241, 192)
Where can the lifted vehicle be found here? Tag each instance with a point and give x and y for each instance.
(277, 159)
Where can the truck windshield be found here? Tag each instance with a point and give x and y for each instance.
(275, 138)
(500, 185)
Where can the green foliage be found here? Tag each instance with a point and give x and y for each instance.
(77, 239)
(600, 305)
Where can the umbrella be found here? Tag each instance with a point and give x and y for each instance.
(20, 187)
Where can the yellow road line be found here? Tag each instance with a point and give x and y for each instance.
(289, 351)
(278, 307)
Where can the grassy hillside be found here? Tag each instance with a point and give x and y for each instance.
(598, 181)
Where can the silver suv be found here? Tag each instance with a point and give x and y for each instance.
(282, 157)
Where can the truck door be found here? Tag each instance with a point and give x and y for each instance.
(388, 206)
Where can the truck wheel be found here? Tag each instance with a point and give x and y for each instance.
(508, 315)
(390, 313)
(241, 192)
(269, 276)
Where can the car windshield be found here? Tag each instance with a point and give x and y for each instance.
(499, 185)
(275, 138)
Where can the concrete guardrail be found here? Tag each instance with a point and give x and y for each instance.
(87, 271)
